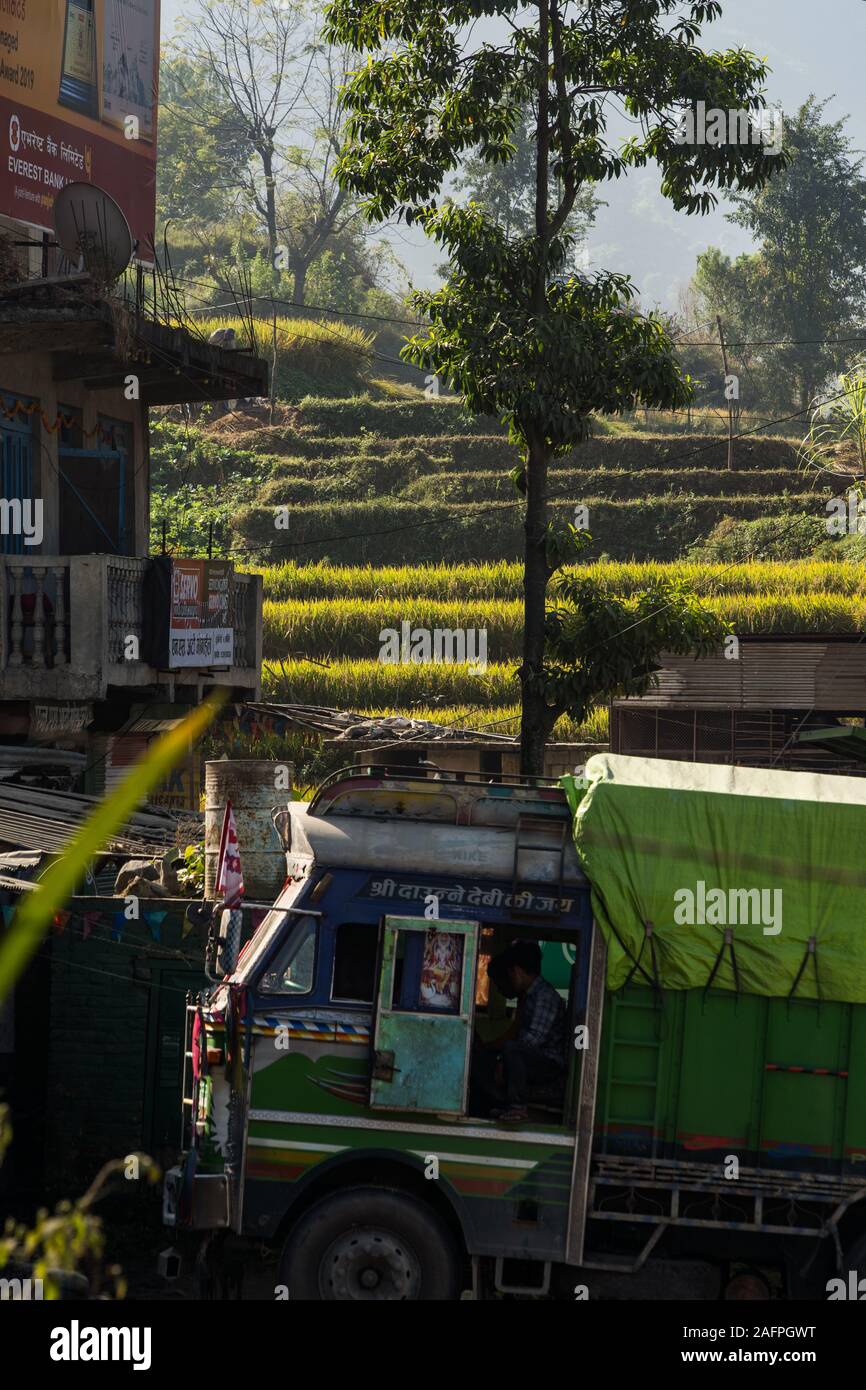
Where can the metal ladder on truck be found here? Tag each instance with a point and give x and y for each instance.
(539, 835)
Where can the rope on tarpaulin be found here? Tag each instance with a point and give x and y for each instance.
(727, 940)
(811, 950)
(654, 979)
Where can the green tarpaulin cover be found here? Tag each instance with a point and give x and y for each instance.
(740, 878)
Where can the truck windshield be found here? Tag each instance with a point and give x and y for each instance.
(258, 943)
(292, 970)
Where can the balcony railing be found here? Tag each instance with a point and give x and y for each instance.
(69, 620)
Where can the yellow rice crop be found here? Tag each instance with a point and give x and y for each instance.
(503, 579)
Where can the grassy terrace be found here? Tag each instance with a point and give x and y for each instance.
(322, 626)
(503, 580)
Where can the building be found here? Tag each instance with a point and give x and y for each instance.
(103, 645)
(755, 710)
(85, 612)
(94, 630)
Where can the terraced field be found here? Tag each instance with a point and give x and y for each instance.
(323, 625)
(401, 511)
(413, 481)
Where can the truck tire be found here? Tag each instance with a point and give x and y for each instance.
(369, 1243)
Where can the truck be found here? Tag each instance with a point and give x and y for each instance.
(708, 1135)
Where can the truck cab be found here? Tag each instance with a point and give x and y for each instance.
(329, 1103)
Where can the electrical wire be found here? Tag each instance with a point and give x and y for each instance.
(419, 323)
(254, 551)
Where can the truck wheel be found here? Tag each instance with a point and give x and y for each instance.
(369, 1243)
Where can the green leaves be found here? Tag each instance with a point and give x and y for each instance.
(521, 335)
(542, 370)
(600, 647)
(424, 100)
(60, 881)
(836, 441)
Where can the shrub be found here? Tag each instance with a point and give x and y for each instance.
(387, 531)
(787, 536)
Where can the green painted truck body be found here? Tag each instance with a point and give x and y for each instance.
(669, 1087)
(702, 1076)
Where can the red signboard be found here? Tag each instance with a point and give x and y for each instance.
(201, 631)
(78, 100)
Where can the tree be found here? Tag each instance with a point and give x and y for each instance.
(506, 191)
(255, 58)
(257, 93)
(728, 289)
(599, 647)
(521, 336)
(806, 283)
(315, 207)
(198, 159)
(701, 363)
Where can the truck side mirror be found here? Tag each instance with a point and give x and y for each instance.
(214, 967)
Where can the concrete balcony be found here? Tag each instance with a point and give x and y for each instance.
(67, 620)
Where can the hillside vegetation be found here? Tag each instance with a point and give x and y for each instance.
(400, 509)
(361, 480)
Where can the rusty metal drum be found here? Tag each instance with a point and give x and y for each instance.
(250, 784)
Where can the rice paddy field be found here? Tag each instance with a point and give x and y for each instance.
(401, 510)
(322, 626)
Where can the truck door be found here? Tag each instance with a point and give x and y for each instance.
(424, 1011)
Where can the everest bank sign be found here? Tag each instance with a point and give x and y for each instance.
(78, 100)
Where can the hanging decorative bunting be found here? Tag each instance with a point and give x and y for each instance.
(154, 921)
(117, 923)
(19, 407)
(8, 912)
(59, 921)
(230, 875)
(89, 922)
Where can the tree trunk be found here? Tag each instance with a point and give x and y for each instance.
(267, 155)
(299, 282)
(537, 719)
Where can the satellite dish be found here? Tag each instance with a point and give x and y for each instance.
(92, 230)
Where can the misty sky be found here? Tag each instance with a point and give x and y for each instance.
(811, 46)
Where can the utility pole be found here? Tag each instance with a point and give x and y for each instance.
(273, 400)
(730, 399)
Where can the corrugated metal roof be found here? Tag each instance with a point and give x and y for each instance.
(33, 818)
(780, 674)
(151, 726)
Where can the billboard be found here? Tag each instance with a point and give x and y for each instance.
(201, 631)
(78, 99)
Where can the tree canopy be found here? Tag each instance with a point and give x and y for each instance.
(522, 335)
(805, 286)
